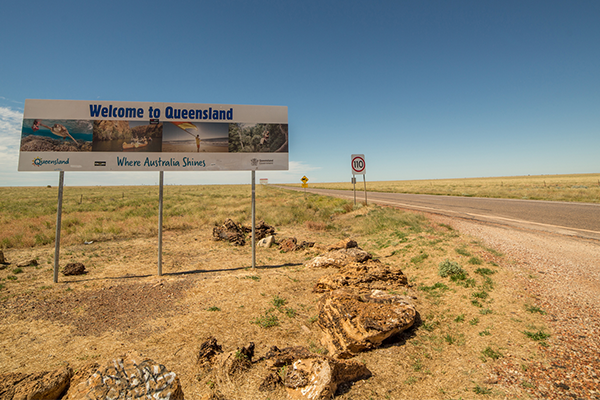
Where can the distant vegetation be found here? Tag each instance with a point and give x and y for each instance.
(578, 187)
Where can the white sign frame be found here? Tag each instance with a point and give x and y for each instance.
(355, 160)
(68, 152)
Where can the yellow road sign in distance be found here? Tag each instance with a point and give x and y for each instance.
(305, 185)
(304, 179)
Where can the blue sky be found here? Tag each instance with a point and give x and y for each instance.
(424, 89)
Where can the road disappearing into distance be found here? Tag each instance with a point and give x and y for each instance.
(580, 220)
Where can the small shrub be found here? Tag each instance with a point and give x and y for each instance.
(290, 312)
(213, 309)
(449, 339)
(253, 277)
(460, 318)
(419, 259)
(480, 295)
(488, 352)
(463, 252)
(481, 390)
(450, 268)
(17, 271)
(485, 311)
(278, 301)
(12, 278)
(485, 333)
(475, 261)
(267, 320)
(474, 321)
(535, 309)
(484, 271)
(537, 336)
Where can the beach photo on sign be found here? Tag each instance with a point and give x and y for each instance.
(258, 138)
(197, 137)
(127, 136)
(56, 135)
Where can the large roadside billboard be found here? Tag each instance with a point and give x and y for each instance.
(76, 135)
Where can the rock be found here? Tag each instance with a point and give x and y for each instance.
(36, 386)
(131, 376)
(32, 262)
(343, 244)
(74, 269)
(291, 244)
(352, 323)
(363, 277)
(277, 358)
(318, 378)
(231, 232)
(208, 351)
(339, 258)
(271, 382)
(262, 230)
(232, 363)
(267, 241)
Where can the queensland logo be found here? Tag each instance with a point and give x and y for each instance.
(38, 162)
(254, 162)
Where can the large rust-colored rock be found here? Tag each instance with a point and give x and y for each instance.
(130, 377)
(343, 244)
(291, 244)
(318, 378)
(37, 386)
(74, 269)
(352, 323)
(363, 277)
(339, 258)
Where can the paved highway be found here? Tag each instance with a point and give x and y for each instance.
(571, 219)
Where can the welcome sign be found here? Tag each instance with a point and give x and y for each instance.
(74, 135)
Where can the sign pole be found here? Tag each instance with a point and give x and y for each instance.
(160, 219)
(61, 180)
(365, 182)
(253, 220)
(354, 187)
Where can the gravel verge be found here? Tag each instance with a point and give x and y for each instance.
(562, 276)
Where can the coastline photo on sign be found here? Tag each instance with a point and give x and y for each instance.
(258, 138)
(56, 135)
(127, 136)
(195, 137)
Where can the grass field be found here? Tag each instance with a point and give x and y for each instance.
(473, 314)
(578, 187)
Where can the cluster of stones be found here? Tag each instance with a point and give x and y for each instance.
(358, 310)
(129, 377)
(235, 232)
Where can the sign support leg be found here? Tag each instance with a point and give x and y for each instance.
(160, 219)
(253, 220)
(61, 180)
(354, 188)
(365, 182)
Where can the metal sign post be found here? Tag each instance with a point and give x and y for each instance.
(359, 167)
(160, 220)
(61, 180)
(253, 220)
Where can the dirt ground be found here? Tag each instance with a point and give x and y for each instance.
(208, 289)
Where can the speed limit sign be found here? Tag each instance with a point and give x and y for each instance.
(359, 165)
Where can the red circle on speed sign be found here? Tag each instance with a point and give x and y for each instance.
(358, 164)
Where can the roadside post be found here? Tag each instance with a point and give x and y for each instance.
(61, 181)
(359, 167)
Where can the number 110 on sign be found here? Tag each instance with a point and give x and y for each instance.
(359, 165)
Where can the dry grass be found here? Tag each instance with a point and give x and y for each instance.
(466, 324)
(577, 187)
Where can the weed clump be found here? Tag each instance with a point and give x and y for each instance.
(451, 269)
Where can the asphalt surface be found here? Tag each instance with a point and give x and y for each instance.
(581, 220)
